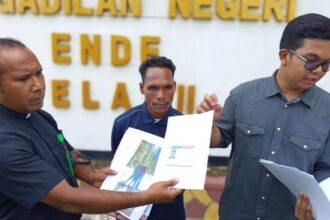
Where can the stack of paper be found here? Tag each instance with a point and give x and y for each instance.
(298, 182)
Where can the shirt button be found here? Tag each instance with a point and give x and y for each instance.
(267, 175)
(248, 131)
(278, 129)
(258, 218)
(305, 146)
(273, 152)
(285, 106)
(263, 198)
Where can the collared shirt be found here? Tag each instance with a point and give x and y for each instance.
(32, 163)
(261, 124)
(140, 118)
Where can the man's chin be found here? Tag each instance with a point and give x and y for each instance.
(161, 108)
(35, 108)
(157, 113)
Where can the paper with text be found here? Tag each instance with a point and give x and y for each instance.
(136, 159)
(185, 157)
(143, 158)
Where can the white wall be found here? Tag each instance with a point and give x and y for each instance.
(215, 55)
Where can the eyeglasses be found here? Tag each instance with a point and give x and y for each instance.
(312, 64)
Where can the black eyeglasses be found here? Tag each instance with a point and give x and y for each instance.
(312, 64)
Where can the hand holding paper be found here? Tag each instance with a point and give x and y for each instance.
(142, 158)
(163, 191)
(303, 209)
(298, 181)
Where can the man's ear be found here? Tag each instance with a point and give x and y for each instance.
(284, 55)
(141, 87)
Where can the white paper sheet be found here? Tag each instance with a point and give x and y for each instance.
(188, 141)
(136, 149)
(325, 185)
(297, 182)
(142, 158)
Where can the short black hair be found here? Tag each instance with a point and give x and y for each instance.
(5, 44)
(156, 61)
(308, 26)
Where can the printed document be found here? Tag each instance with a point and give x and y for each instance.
(185, 157)
(298, 181)
(143, 158)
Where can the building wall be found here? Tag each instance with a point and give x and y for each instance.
(91, 55)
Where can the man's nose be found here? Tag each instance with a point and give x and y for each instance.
(38, 83)
(160, 94)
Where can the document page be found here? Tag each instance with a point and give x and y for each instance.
(297, 182)
(325, 185)
(143, 158)
(185, 157)
(135, 161)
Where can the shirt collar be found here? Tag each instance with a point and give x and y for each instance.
(308, 96)
(148, 119)
(272, 87)
(7, 111)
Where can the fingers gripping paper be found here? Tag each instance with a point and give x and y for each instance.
(142, 158)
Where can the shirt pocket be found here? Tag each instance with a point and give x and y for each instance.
(306, 152)
(249, 138)
(250, 129)
(304, 143)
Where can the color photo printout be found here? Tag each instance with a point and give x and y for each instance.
(143, 158)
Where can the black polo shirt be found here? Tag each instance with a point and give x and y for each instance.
(32, 163)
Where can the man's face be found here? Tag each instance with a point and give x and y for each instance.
(158, 89)
(297, 78)
(22, 85)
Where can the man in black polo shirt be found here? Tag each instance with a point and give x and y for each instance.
(38, 179)
(158, 88)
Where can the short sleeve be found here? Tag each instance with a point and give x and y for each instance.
(25, 177)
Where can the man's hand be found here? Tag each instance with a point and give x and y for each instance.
(158, 192)
(92, 176)
(99, 175)
(143, 217)
(163, 192)
(210, 102)
(303, 208)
